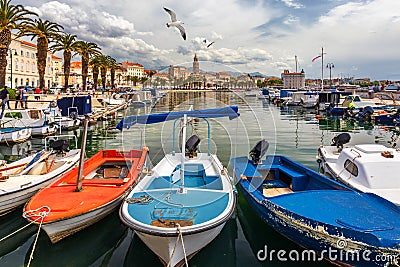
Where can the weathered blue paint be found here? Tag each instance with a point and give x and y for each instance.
(321, 212)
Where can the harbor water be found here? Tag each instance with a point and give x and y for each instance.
(293, 132)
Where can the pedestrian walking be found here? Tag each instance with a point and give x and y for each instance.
(5, 96)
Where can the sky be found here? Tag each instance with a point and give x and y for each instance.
(361, 38)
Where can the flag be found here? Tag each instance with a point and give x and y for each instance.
(315, 58)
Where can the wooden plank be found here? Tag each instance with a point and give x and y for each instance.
(271, 192)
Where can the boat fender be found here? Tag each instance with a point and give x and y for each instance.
(387, 154)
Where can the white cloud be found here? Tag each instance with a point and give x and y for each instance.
(353, 33)
(291, 3)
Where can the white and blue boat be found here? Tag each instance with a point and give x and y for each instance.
(36, 120)
(325, 217)
(183, 203)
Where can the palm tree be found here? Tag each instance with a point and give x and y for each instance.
(45, 32)
(103, 64)
(143, 80)
(94, 62)
(113, 66)
(135, 80)
(128, 79)
(67, 43)
(12, 17)
(119, 75)
(87, 50)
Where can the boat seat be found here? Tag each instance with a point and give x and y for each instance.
(272, 192)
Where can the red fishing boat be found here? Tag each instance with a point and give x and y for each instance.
(72, 203)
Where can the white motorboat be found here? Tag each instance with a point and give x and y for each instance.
(371, 168)
(20, 180)
(40, 123)
(183, 203)
(14, 135)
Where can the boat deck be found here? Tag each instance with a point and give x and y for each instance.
(193, 207)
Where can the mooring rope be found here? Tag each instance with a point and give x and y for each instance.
(180, 236)
(42, 214)
(140, 200)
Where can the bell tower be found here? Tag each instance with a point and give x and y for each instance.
(196, 65)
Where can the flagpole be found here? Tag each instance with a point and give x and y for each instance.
(322, 69)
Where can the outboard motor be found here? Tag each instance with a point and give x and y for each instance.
(365, 114)
(340, 140)
(259, 151)
(191, 145)
(60, 145)
(73, 115)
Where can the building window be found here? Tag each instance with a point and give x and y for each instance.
(9, 66)
(27, 54)
(33, 67)
(33, 55)
(16, 64)
(27, 66)
(351, 167)
(22, 53)
(48, 59)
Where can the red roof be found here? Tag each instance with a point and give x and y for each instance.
(55, 57)
(28, 43)
(131, 64)
(76, 64)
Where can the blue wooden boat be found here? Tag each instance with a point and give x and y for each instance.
(319, 214)
(183, 203)
(389, 119)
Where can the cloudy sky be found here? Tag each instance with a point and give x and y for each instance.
(360, 37)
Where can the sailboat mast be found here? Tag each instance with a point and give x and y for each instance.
(322, 69)
(295, 59)
(183, 151)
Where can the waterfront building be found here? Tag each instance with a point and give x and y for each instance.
(178, 72)
(22, 65)
(57, 69)
(133, 69)
(293, 80)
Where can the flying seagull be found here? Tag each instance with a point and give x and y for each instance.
(175, 23)
(209, 43)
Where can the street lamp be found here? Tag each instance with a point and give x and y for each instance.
(330, 66)
(11, 56)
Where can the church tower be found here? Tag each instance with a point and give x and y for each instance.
(195, 65)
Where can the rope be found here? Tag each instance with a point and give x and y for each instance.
(180, 236)
(41, 215)
(143, 200)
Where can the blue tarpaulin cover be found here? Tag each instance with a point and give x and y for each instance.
(82, 103)
(231, 112)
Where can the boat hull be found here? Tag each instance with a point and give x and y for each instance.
(15, 198)
(17, 136)
(316, 236)
(61, 229)
(107, 180)
(45, 130)
(164, 246)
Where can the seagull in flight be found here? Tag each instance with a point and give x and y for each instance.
(209, 43)
(175, 23)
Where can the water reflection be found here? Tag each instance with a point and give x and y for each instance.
(294, 131)
(84, 248)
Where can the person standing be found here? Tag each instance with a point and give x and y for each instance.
(24, 98)
(4, 94)
(37, 92)
(17, 98)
